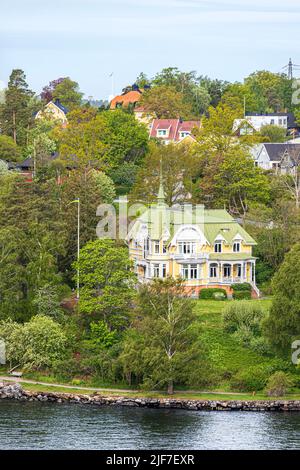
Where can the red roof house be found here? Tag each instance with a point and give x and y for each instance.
(172, 130)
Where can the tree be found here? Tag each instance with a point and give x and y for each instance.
(278, 384)
(106, 282)
(283, 324)
(17, 111)
(272, 133)
(272, 91)
(165, 102)
(214, 87)
(163, 346)
(234, 181)
(9, 151)
(36, 344)
(67, 92)
(177, 168)
(104, 141)
(47, 91)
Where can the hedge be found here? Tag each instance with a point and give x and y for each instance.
(245, 286)
(210, 292)
(241, 295)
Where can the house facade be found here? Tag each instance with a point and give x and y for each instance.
(173, 130)
(55, 111)
(281, 158)
(253, 122)
(206, 248)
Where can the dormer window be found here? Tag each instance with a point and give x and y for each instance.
(237, 247)
(156, 246)
(183, 134)
(218, 247)
(162, 132)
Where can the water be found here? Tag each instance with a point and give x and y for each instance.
(33, 425)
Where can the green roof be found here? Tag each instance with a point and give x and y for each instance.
(212, 222)
(230, 256)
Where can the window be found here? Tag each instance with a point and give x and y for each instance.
(183, 134)
(164, 247)
(213, 269)
(146, 247)
(272, 122)
(156, 246)
(227, 270)
(187, 248)
(161, 132)
(164, 270)
(156, 270)
(280, 122)
(236, 247)
(190, 271)
(194, 271)
(239, 270)
(218, 247)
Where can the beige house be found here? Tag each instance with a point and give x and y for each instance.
(53, 111)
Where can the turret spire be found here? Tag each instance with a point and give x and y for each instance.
(161, 193)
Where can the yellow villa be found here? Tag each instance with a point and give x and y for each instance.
(207, 248)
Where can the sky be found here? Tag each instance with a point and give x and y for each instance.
(87, 40)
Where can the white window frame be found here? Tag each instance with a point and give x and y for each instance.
(228, 268)
(218, 243)
(213, 266)
(235, 246)
(156, 247)
(186, 247)
(188, 271)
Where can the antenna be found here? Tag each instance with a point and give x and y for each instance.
(290, 69)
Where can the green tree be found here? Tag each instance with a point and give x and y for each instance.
(106, 282)
(166, 103)
(163, 346)
(9, 151)
(36, 344)
(178, 166)
(67, 92)
(272, 133)
(283, 324)
(17, 111)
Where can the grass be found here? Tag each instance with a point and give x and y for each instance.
(225, 355)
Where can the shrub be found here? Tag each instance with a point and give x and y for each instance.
(250, 380)
(278, 384)
(219, 296)
(242, 314)
(208, 294)
(241, 295)
(241, 287)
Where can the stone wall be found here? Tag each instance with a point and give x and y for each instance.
(16, 392)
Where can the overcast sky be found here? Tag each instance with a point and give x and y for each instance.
(89, 39)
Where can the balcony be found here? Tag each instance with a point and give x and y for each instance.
(192, 258)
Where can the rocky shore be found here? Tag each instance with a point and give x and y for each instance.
(16, 392)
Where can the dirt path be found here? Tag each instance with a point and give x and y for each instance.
(96, 389)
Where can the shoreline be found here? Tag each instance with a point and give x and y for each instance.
(16, 392)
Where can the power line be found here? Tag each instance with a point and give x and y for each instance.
(290, 67)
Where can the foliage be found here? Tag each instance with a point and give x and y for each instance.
(242, 314)
(106, 282)
(9, 151)
(278, 384)
(283, 324)
(163, 347)
(273, 133)
(67, 92)
(166, 103)
(101, 335)
(210, 293)
(252, 379)
(16, 114)
(36, 344)
(178, 166)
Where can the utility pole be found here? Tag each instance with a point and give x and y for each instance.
(290, 69)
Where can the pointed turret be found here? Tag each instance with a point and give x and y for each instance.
(161, 193)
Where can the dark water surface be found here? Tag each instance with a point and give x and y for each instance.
(32, 425)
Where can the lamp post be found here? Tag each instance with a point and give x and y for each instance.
(77, 201)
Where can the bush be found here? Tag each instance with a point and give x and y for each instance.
(219, 296)
(241, 287)
(241, 295)
(278, 384)
(250, 380)
(209, 293)
(239, 315)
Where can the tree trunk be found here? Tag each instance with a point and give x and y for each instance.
(14, 127)
(170, 387)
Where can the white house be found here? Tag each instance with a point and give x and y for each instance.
(277, 157)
